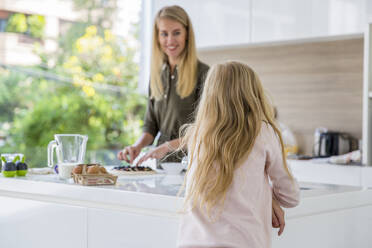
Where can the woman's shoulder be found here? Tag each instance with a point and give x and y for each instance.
(202, 67)
(202, 70)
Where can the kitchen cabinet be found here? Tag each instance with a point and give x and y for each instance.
(117, 229)
(298, 19)
(216, 23)
(37, 224)
(334, 228)
(225, 23)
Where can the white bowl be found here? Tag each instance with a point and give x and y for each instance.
(172, 168)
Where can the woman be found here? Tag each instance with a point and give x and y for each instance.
(235, 147)
(177, 79)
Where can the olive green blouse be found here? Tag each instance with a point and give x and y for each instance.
(169, 113)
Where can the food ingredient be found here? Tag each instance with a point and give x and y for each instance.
(90, 169)
(93, 169)
(9, 169)
(21, 167)
(77, 170)
(133, 168)
(103, 170)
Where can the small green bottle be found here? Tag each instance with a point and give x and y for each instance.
(21, 167)
(9, 168)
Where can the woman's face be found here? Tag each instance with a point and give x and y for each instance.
(172, 38)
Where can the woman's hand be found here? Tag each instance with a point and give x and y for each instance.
(157, 153)
(132, 151)
(278, 217)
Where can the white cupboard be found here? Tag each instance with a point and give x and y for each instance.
(117, 229)
(216, 23)
(335, 228)
(232, 22)
(36, 224)
(298, 19)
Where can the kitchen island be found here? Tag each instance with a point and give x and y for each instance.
(143, 211)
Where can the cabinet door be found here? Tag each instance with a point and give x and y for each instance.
(216, 23)
(368, 12)
(342, 229)
(295, 19)
(117, 229)
(34, 224)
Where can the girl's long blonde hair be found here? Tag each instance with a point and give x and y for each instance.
(232, 109)
(187, 68)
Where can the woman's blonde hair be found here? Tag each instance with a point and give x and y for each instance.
(231, 112)
(187, 68)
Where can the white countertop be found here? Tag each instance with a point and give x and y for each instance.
(319, 171)
(157, 194)
(98, 216)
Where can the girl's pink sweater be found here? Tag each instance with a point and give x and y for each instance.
(245, 220)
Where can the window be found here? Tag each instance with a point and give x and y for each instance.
(84, 81)
(3, 23)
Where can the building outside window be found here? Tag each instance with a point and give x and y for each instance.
(3, 23)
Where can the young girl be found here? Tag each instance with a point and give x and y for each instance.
(235, 147)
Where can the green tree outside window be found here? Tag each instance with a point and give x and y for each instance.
(17, 23)
(36, 24)
(33, 24)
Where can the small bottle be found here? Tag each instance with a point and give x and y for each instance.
(185, 163)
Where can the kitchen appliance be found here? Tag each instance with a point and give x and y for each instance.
(70, 151)
(327, 143)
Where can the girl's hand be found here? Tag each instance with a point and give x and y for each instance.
(157, 153)
(132, 151)
(278, 217)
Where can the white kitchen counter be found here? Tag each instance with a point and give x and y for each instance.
(156, 194)
(147, 206)
(319, 171)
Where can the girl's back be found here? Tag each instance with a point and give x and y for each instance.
(234, 148)
(245, 220)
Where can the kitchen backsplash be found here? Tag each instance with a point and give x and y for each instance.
(313, 84)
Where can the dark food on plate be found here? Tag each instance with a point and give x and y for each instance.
(133, 168)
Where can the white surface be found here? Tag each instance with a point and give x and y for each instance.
(344, 228)
(322, 172)
(222, 23)
(172, 168)
(293, 19)
(29, 223)
(143, 211)
(215, 22)
(117, 229)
